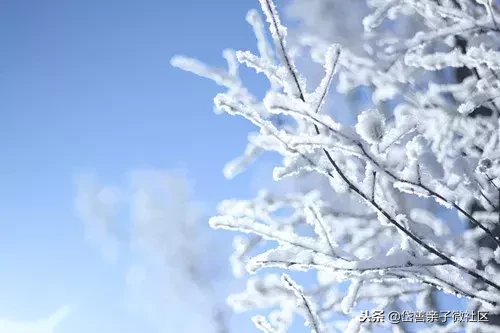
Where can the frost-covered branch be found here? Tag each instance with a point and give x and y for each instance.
(385, 193)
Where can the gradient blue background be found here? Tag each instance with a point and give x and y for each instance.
(86, 86)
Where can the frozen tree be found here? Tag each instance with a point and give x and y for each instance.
(390, 228)
(152, 223)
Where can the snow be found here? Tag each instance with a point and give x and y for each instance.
(372, 219)
(371, 126)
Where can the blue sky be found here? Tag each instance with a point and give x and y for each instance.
(87, 88)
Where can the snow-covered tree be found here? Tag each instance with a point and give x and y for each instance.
(387, 226)
(153, 225)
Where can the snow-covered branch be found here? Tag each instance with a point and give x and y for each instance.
(388, 189)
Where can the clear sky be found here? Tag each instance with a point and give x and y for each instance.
(86, 87)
